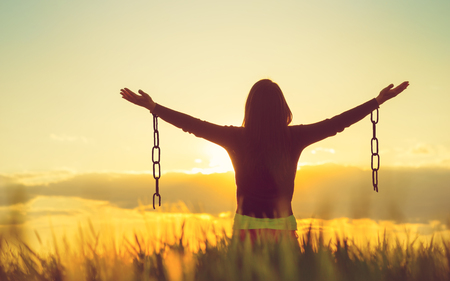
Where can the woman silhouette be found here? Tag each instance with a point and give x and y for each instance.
(264, 151)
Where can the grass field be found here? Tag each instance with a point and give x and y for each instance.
(211, 254)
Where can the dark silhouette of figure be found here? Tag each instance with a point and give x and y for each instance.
(264, 151)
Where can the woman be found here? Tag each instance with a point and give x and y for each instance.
(264, 151)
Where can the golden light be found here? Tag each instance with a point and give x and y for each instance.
(217, 159)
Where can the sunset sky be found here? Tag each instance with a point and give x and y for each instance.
(63, 121)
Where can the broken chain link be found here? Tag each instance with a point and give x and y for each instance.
(156, 157)
(374, 149)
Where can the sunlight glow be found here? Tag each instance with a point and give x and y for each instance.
(219, 159)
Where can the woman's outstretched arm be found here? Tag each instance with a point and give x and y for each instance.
(389, 92)
(318, 131)
(221, 135)
(143, 100)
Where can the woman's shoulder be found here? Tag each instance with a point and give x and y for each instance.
(296, 128)
(235, 130)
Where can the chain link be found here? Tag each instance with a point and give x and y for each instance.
(374, 149)
(156, 156)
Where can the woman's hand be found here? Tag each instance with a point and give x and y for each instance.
(143, 100)
(389, 92)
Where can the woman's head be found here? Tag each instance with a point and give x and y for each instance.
(266, 106)
(266, 121)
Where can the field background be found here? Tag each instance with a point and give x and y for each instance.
(198, 247)
(83, 235)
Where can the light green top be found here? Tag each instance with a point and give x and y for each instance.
(246, 222)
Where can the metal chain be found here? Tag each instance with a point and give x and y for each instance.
(156, 156)
(374, 149)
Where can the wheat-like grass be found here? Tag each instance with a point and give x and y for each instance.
(96, 256)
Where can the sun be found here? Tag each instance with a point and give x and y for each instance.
(219, 161)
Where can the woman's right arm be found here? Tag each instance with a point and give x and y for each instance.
(318, 131)
(389, 92)
(220, 135)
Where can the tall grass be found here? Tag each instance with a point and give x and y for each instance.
(95, 255)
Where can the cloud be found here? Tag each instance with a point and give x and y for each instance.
(37, 178)
(324, 191)
(213, 193)
(322, 149)
(422, 149)
(420, 154)
(405, 194)
(13, 215)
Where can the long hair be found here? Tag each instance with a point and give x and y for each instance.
(266, 106)
(266, 120)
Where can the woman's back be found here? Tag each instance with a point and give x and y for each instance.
(265, 164)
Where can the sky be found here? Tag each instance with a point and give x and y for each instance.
(63, 122)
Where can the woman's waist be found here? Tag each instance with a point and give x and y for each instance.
(264, 207)
(248, 222)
